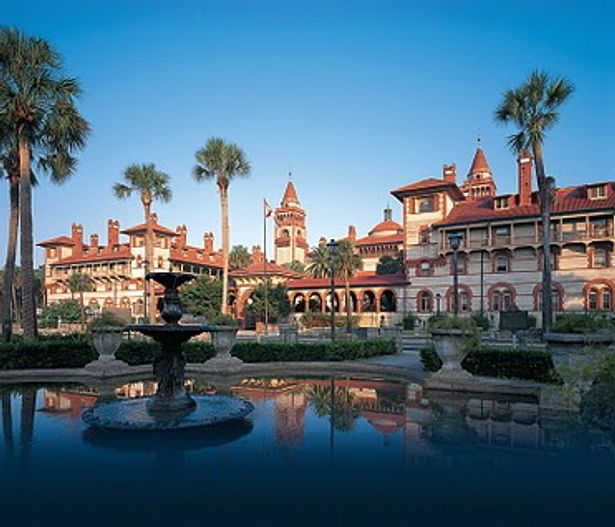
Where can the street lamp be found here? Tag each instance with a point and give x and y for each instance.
(332, 247)
(438, 297)
(455, 241)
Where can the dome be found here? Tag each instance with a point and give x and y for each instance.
(387, 228)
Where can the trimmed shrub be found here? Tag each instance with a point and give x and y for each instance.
(57, 352)
(301, 352)
(505, 363)
(582, 323)
(451, 322)
(409, 322)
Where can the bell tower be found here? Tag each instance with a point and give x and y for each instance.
(290, 236)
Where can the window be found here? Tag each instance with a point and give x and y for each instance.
(501, 202)
(424, 269)
(501, 299)
(556, 302)
(502, 263)
(600, 298)
(425, 302)
(461, 264)
(606, 299)
(600, 258)
(424, 236)
(425, 204)
(502, 232)
(597, 191)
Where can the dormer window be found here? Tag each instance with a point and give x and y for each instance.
(596, 191)
(501, 202)
(425, 204)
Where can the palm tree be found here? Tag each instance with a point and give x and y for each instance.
(319, 266)
(37, 109)
(347, 263)
(80, 283)
(532, 107)
(222, 162)
(238, 257)
(150, 184)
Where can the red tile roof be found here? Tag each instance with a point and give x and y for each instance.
(479, 163)
(290, 195)
(570, 199)
(259, 269)
(106, 254)
(429, 184)
(386, 226)
(59, 240)
(361, 280)
(380, 240)
(136, 229)
(195, 256)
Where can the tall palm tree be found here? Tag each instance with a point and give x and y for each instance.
(533, 109)
(222, 162)
(37, 107)
(150, 184)
(319, 266)
(80, 283)
(347, 263)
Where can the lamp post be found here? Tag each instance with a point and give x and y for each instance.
(482, 282)
(438, 297)
(455, 241)
(145, 287)
(332, 247)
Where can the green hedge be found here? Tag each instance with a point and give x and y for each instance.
(76, 352)
(506, 363)
(300, 352)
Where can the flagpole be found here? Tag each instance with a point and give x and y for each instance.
(265, 266)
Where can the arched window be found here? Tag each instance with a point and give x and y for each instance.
(424, 302)
(423, 268)
(284, 233)
(368, 302)
(332, 303)
(501, 298)
(299, 303)
(599, 298)
(465, 299)
(315, 303)
(557, 294)
(387, 301)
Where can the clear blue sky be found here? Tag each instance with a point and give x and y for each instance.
(355, 97)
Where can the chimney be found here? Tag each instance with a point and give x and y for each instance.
(352, 233)
(322, 241)
(113, 232)
(208, 242)
(94, 240)
(449, 173)
(180, 239)
(388, 214)
(524, 162)
(77, 237)
(257, 254)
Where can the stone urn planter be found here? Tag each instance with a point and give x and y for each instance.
(451, 349)
(568, 349)
(106, 340)
(223, 338)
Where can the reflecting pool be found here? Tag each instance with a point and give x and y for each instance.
(315, 450)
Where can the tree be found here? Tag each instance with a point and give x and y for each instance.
(38, 112)
(202, 297)
(532, 108)
(296, 266)
(80, 283)
(150, 184)
(277, 302)
(222, 162)
(66, 310)
(347, 263)
(238, 257)
(319, 266)
(390, 265)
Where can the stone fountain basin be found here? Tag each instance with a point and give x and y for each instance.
(171, 333)
(132, 414)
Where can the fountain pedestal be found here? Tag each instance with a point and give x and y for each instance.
(171, 407)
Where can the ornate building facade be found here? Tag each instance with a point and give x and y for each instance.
(117, 269)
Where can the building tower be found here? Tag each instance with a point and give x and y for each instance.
(479, 183)
(290, 236)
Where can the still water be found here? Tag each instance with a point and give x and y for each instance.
(319, 450)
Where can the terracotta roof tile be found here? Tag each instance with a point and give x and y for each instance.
(387, 226)
(106, 254)
(568, 199)
(290, 195)
(376, 240)
(195, 256)
(58, 240)
(429, 184)
(258, 268)
(142, 227)
(479, 163)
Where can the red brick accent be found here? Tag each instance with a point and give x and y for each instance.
(449, 173)
(597, 283)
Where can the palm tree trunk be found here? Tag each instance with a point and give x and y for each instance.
(544, 189)
(225, 245)
(82, 310)
(7, 423)
(27, 243)
(149, 258)
(9, 267)
(28, 409)
(348, 307)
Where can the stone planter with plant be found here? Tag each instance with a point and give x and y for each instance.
(452, 337)
(106, 334)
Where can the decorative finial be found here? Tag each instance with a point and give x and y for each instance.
(290, 175)
(478, 139)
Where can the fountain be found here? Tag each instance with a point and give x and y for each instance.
(172, 407)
